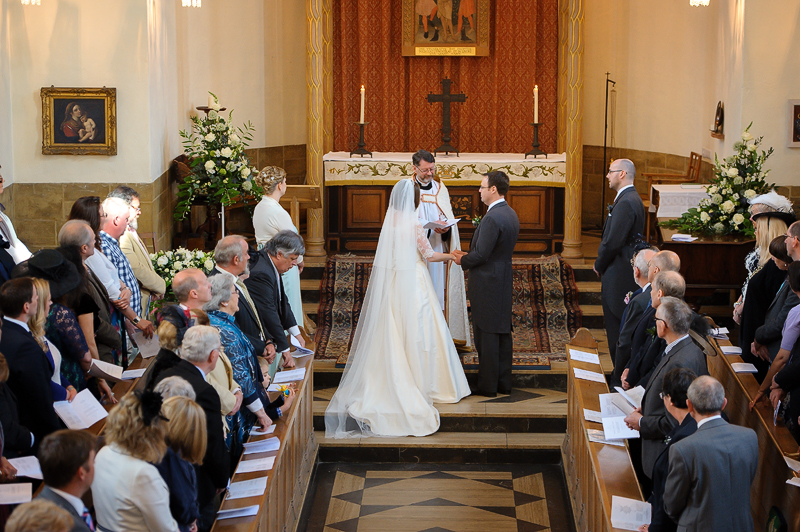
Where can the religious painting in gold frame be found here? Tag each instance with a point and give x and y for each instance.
(79, 121)
(446, 28)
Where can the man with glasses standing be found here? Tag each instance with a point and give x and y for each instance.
(623, 227)
(447, 277)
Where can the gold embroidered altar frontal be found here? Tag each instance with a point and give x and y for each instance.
(464, 170)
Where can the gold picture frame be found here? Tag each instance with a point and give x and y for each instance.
(465, 34)
(79, 121)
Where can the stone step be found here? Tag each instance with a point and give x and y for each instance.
(445, 447)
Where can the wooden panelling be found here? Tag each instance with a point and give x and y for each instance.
(367, 207)
(531, 208)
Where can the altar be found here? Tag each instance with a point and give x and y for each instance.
(357, 194)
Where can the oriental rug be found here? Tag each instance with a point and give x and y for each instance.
(545, 309)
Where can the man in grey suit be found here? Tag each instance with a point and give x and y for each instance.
(490, 285)
(711, 471)
(673, 319)
(623, 226)
(67, 461)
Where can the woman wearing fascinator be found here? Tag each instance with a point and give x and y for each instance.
(402, 359)
(269, 219)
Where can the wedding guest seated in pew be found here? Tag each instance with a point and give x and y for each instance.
(641, 366)
(675, 386)
(172, 325)
(711, 471)
(186, 438)
(652, 420)
(767, 339)
(39, 516)
(67, 461)
(17, 439)
(199, 353)
(128, 492)
(636, 305)
(29, 371)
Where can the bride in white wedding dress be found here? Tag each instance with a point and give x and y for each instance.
(402, 359)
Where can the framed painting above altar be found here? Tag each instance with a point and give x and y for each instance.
(446, 27)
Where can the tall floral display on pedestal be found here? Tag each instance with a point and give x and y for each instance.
(220, 169)
(738, 178)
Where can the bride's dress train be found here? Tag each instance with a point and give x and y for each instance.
(403, 358)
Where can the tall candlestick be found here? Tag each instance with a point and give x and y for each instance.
(362, 104)
(536, 104)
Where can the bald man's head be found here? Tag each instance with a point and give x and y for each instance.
(664, 261)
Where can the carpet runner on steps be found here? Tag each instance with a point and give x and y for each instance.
(545, 309)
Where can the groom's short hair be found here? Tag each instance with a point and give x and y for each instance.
(500, 180)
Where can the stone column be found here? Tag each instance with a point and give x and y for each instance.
(561, 101)
(318, 13)
(574, 128)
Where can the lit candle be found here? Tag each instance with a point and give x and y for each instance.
(536, 104)
(362, 104)
(210, 101)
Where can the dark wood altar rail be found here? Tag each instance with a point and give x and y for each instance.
(774, 441)
(594, 471)
(288, 480)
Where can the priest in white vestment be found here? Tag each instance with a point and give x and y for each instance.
(447, 277)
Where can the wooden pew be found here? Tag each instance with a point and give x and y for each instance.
(774, 441)
(288, 480)
(594, 471)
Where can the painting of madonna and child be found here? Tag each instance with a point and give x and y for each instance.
(79, 121)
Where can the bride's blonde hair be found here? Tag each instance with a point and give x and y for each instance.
(269, 178)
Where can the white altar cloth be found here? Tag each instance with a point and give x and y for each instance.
(386, 168)
(674, 200)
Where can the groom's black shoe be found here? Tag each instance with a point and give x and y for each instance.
(504, 392)
(478, 391)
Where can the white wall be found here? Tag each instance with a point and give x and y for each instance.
(6, 111)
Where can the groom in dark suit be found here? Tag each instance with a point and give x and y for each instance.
(490, 285)
(625, 222)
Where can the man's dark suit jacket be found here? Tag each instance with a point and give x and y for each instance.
(634, 310)
(266, 289)
(490, 273)
(641, 370)
(771, 332)
(656, 422)
(215, 471)
(17, 439)
(660, 521)
(247, 321)
(78, 525)
(625, 221)
(641, 338)
(710, 474)
(29, 378)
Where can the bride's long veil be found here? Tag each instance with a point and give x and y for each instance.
(386, 325)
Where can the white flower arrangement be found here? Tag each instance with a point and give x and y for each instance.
(738, 179)
(168, 263)
(220, 168)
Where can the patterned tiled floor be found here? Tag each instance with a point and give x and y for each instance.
(439, 498)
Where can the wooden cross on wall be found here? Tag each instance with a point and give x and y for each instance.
(446, 98)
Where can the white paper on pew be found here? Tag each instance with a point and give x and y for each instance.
(27, 466)
(262, 446)
(622, 403)
(147, 347)
(598, 436)
(744, 367)
(273, 388)
(15, 493)
(583, 356)
(794, 465)
(607, 406)
(629, 514)
(301, 351)
(731, 350)
(589, 375)
(614, 428)
(289, 376)
(247, 511)
(720, 333)
(83, 412)
(256, 431)
(794, 481)
(250, 466)
(634, 396)
(104, 370)
(247, 488)
(677, 237)
(132, 374)
(592, 415)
